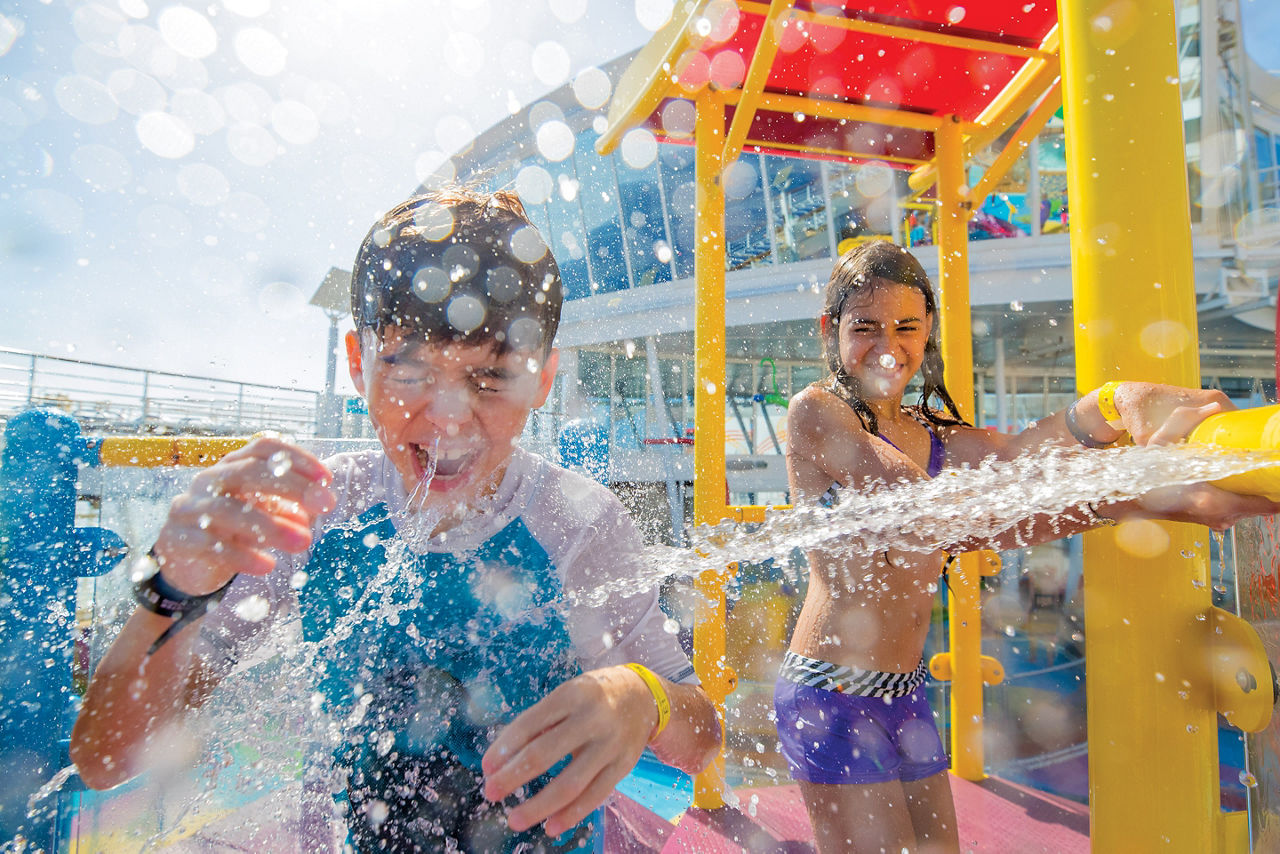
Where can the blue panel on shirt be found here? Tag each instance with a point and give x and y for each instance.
(446, 648)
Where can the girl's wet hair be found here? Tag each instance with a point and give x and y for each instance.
(459, 265)
(857, 272)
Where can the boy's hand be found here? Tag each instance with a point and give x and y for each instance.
(261, 497)
(603, 719)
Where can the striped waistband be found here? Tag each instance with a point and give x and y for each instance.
(816, 673)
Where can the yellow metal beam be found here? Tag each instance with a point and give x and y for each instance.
(649, 77)
(842, 110)
(908, 34)
(1027, 85)
(709, 470)
(162, 451)
(757, 76)
(1151, 710)
(841, 154)
(1017, 144)
(965, 622)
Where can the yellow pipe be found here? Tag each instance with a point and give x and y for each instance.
(649, 77)
(908, 34)
(829, 109)
(1253, 429)
(1018, 143)
(757, 76)
(1151, 709)
(161, 451)
(965, 623)
(1018, 95)
(709, 504)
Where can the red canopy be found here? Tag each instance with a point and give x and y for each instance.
(832, 67)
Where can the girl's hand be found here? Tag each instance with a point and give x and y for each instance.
(1156, 414)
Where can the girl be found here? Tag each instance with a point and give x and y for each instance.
(853, 719)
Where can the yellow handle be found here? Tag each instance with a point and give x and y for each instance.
(1245, 429)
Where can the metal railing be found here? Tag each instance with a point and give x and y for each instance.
(111, 398)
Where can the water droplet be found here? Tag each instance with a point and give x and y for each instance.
(887, 361)
(1192, 728)
(1247, 780)
(299, 579)
(280, 463)
(1017, 305)
(955, 14)
(1196, 582)
(1159, 676)
(671, 626)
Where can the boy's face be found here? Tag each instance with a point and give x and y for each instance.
(461, 407)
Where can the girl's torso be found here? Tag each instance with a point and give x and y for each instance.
(872, 613)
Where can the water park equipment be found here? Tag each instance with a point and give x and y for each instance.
(950, 206)
(758, 82)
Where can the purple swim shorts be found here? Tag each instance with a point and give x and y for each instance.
(829, 737)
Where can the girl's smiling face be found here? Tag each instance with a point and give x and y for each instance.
(883, 331)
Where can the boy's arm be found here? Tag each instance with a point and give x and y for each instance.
(228, 522)
(604, 719)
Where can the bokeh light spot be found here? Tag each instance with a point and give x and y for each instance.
(534, 185)
(639, 148)
(1165, 339)
(260, 51)
(550, 63)
(1142, 538)
(431, 284)
(528, 246)
(187, 31)
(465, 313)
(165, 135)
(592, 88)
(85, 99)
(554, 140)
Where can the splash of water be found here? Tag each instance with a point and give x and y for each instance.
(960, 505)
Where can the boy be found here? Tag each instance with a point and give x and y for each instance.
(493, 658)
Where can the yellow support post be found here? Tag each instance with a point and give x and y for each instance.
(757, 76)
(957, 352)
(709, 500)
(1152, 726)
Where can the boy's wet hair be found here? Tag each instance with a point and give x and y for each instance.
(858, 271)
(459, 265)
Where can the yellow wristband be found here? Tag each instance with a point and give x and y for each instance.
(1107, 402)
(659, 696)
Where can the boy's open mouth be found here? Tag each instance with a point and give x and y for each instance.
(448, 462)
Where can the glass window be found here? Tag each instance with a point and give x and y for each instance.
(564, 233)
(598, 196)
(647, 243)
(676, 165)
(745, 223)
(1266, 155)
(799, 208)
(862, 203)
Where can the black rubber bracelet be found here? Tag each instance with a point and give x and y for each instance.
(1077, 432)
(159, 597)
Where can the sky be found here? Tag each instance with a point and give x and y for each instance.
(177, 176)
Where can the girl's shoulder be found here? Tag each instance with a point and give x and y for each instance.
(817, 414)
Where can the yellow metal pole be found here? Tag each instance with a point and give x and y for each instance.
(757, 76)
(957, 351)
(709, 500)
(1152, 727)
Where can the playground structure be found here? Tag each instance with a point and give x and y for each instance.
(730, 118)
(1113, 69)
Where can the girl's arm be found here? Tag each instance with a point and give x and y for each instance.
(1151, 413)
